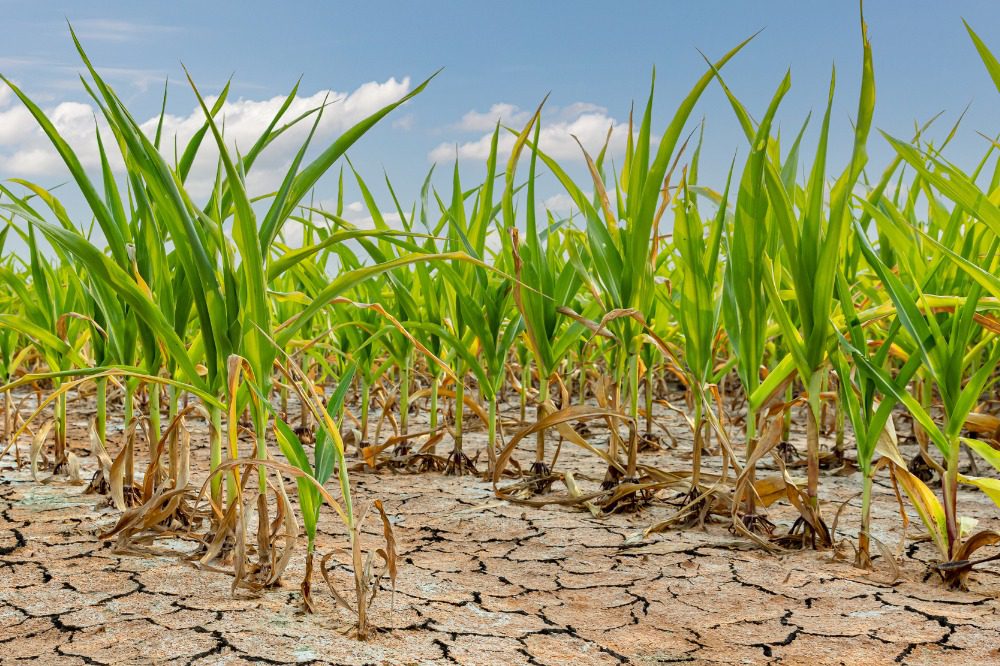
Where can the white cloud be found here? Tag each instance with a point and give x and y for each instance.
(587, 122)
(357, 213)
(578, 109)
(26, 152)
(559, 203)
(508, 114)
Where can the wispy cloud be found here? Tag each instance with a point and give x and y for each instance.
(53, 76)
(117, 30)
(405, 122)
(13, 62)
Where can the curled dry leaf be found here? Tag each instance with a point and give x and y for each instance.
(37, 445)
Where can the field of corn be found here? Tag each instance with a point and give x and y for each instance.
(752, 424)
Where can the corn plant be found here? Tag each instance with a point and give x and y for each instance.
(745, 307)
(813, 249)
(545, 283)
(479, 305)
(870, 418)
(326, 456)
(698, 311)
(621, 247)
(51, 322)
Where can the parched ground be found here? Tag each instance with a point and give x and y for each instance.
(483, 581)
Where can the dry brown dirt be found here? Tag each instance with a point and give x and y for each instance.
(484, 581)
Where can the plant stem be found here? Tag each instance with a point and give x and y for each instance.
(543, 396)
(633, 381)
(6, 419)
(615, 400)
(173, 399)
(950, 490)
(459, 407)
(786, 430)
(525, 384)
(404, 395)
(649, 401)
(60, 428)
(699, 420)
(366, 397)
(812, 440)
(154, 418)
(864, 558)
(102, 410)
(751, 444)
(154, 412)
(491, 435)
(215, 451)
(130, 388)
(434, 403)
(260, 430)
(839, 426)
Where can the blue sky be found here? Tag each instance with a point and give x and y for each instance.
(594, 57)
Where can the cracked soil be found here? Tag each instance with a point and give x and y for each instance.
(483, 581)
